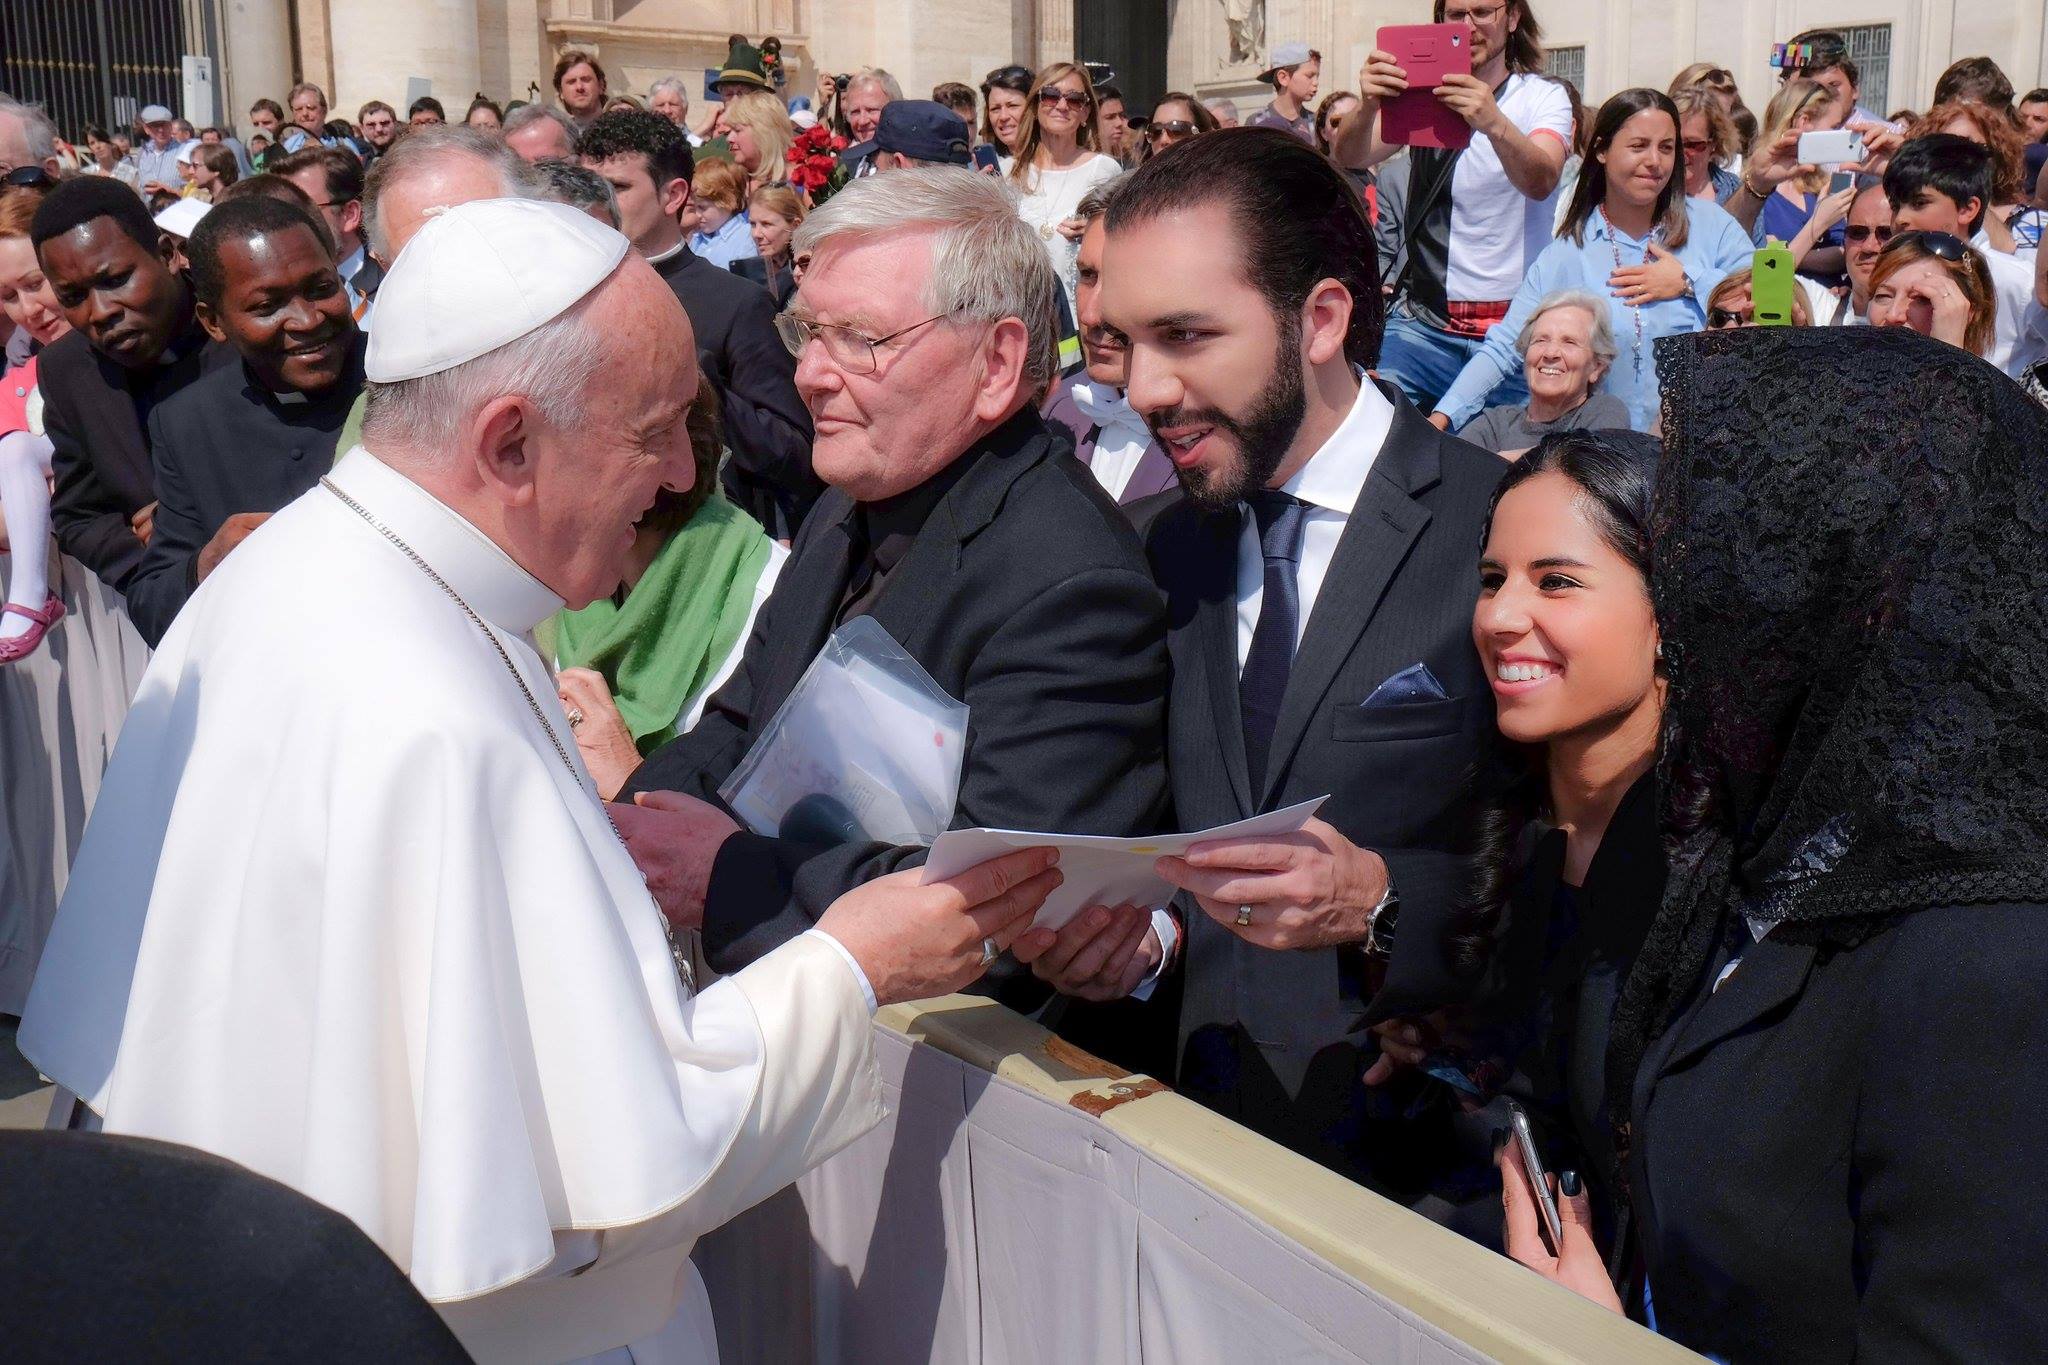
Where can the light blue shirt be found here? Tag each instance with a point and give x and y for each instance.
(159, 164)
(732, 242)
(1715, 246)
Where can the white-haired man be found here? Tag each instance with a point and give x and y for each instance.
(541, 132)
(868, 93)
(27, 138)
(468, 1033)
(670, 98)
(961, 525)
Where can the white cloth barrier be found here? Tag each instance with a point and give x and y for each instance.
(991, 1220)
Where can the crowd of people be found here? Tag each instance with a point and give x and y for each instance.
(1660, 634)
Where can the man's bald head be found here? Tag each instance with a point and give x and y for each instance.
(437, 167)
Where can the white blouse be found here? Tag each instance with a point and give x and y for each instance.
(1049, 198)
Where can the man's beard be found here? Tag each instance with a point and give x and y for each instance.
(1262, 435)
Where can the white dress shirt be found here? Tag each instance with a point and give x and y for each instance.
(1330, 484)
(1121, 438)
(2020, 336)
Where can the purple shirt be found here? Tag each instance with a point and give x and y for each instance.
(1303, 127)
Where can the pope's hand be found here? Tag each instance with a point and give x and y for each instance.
(1311, 889)
(1100, 954)
(917, 941)
(673, 839)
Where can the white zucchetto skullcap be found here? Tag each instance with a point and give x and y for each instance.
(482, 275)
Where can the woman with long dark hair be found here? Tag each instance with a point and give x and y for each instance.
(1825, 1064)
(1630, 235)
(1568, 868)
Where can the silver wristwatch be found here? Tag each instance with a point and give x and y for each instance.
(1379, 925)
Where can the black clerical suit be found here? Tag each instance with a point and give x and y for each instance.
(1276, 1039)
(766, 425)
(221, 446)
(95, 410)
(1023, 592)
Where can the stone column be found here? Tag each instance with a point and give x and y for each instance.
(1053, 35)
(378, 46)
(256, 38)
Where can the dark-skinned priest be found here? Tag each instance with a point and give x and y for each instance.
(134, 342)
(246, 439)
(349, 911)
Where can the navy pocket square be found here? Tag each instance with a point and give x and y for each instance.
(1412, 684)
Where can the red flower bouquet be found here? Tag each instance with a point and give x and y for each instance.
(814, 165)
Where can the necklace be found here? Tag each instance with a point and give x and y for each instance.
(675, 949)
(1635, 309)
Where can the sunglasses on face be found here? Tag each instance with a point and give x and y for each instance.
(1073, 99)
(1170, 128)
(1863, 232)
(29, 177)
(1718, 318)
(1698, 146)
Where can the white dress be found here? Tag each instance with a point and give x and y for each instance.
(61, 710)
(346, 915)
(1049, 198)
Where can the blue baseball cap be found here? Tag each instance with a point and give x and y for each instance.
(921, 130)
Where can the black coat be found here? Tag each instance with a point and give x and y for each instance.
(221, 446)
(781, 285)
(1286, 1044)
(1025, 596)
(1836, 1155)
(121, 1248)
(94, 410)
(767, 426)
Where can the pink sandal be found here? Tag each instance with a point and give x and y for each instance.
(21, 646)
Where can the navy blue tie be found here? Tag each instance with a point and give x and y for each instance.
(1263, 681)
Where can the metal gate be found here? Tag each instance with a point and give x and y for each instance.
(92, 61)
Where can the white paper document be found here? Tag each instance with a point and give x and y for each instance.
(1100, 870)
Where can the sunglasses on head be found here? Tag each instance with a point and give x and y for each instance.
(1073, 99)
(29, 177)
(1174, 127)
(1948, 248)
(1863, 232)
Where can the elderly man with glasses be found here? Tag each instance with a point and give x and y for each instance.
(960, 524)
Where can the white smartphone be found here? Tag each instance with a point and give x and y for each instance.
(1539, 1179)
(1831, 148)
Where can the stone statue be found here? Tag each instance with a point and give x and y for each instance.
(1246, 22)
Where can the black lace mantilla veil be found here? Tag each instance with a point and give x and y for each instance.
(1850, 567)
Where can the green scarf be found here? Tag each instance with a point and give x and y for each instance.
(679, 623)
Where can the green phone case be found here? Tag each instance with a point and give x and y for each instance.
(1771, 285)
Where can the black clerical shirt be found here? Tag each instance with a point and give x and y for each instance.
(883, 532)
(224, 445)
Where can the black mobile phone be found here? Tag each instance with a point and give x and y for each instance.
(985, 157)
(1539, 1179)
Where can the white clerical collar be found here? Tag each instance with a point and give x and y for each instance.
(682, 244)
(1105, 406)
(481, 573)
(1335, 475)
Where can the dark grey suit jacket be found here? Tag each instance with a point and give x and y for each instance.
(1277, 1039)
(1025, 596)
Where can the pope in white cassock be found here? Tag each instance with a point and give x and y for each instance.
(349, 911)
